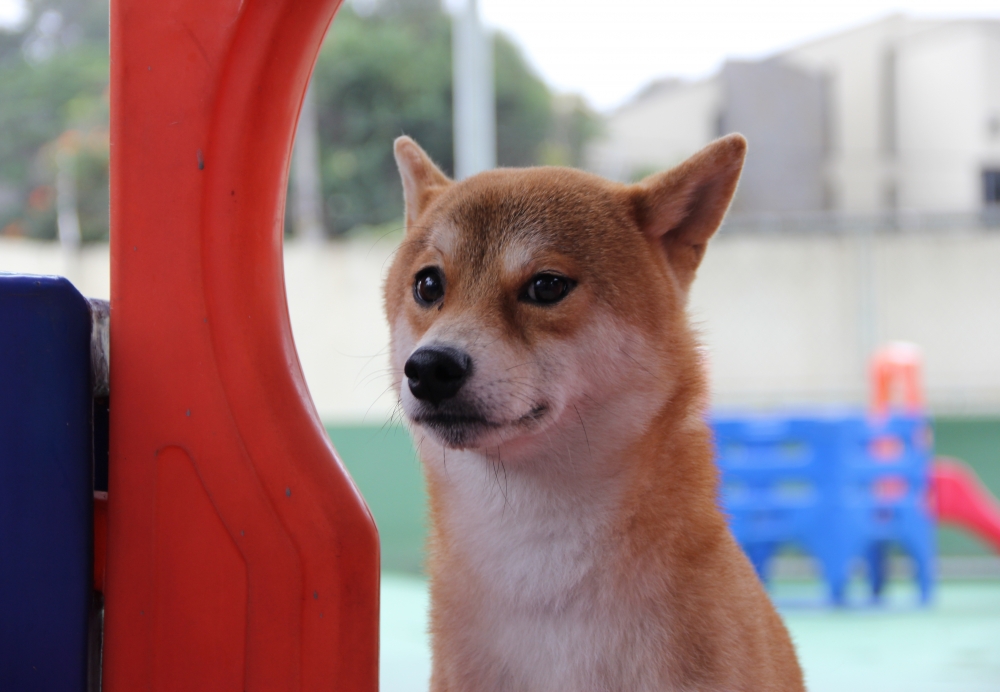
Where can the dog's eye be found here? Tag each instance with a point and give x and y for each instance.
(428, 286)
(546, 289)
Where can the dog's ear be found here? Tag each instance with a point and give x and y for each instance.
(422, 180)
(682, 208)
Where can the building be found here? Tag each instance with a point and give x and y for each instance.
(899, 116)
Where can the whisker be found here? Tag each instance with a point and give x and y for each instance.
(585, 435)
(505, 487)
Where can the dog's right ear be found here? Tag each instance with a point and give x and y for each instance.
(681, 209)
(422, 180)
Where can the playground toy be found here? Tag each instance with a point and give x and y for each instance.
(240, 554)
(846, 487)
(46, 484)
(842, 487)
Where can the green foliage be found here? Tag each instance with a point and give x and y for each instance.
(53, 93)
(524, 107)
(379, 75)
(40, 101)
(389, 73)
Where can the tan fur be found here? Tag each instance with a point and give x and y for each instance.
(576, 541)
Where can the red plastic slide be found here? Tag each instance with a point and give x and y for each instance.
(959, 497)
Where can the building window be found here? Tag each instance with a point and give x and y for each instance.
(991, 187)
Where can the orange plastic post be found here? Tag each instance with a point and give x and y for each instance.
(240, 555)
(896, 369)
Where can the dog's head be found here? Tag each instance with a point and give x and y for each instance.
(522, 300)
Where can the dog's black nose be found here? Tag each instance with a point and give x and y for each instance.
(436, 373)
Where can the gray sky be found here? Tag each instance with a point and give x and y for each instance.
(609, 49)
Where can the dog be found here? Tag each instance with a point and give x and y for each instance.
(557, 398)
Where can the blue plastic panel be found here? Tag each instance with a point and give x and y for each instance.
(842, 487)
(46, 485)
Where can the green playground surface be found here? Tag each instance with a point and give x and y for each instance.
(952, 645)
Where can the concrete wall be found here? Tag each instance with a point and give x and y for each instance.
(791, 319)
(786, 318)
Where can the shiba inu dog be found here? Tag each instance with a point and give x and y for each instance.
(557, 399)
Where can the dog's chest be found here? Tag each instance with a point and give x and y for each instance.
(547, 613)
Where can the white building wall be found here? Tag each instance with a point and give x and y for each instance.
(852, 63)
(784, 316)
(991, 133)
(858, 64)
(778, 315)
(943, 105)
(942, 291)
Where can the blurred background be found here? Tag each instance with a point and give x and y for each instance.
(868, 212)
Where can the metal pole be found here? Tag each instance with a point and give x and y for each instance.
(306, 194)
(474, 99)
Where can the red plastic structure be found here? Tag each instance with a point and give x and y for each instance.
(240, 556)
(959, 497)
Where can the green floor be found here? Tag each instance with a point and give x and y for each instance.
(951, 646)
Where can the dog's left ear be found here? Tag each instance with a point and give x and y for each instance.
(422, 180)
(683, 207)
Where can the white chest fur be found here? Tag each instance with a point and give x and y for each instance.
(548, 612)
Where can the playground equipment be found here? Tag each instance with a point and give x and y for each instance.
(842, 487)
(45, 484)
(239, 555)
(846, 487)
(957, 496)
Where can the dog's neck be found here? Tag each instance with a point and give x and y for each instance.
(536, 528)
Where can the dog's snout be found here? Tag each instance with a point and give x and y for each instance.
(436, 373)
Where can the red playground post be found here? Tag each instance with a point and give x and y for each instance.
(240, 556)
(896, 369)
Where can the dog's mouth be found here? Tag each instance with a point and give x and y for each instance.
(466, 428)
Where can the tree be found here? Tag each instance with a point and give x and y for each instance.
(53, 81)
(389, 73)
(378, 77)
(380, 74)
